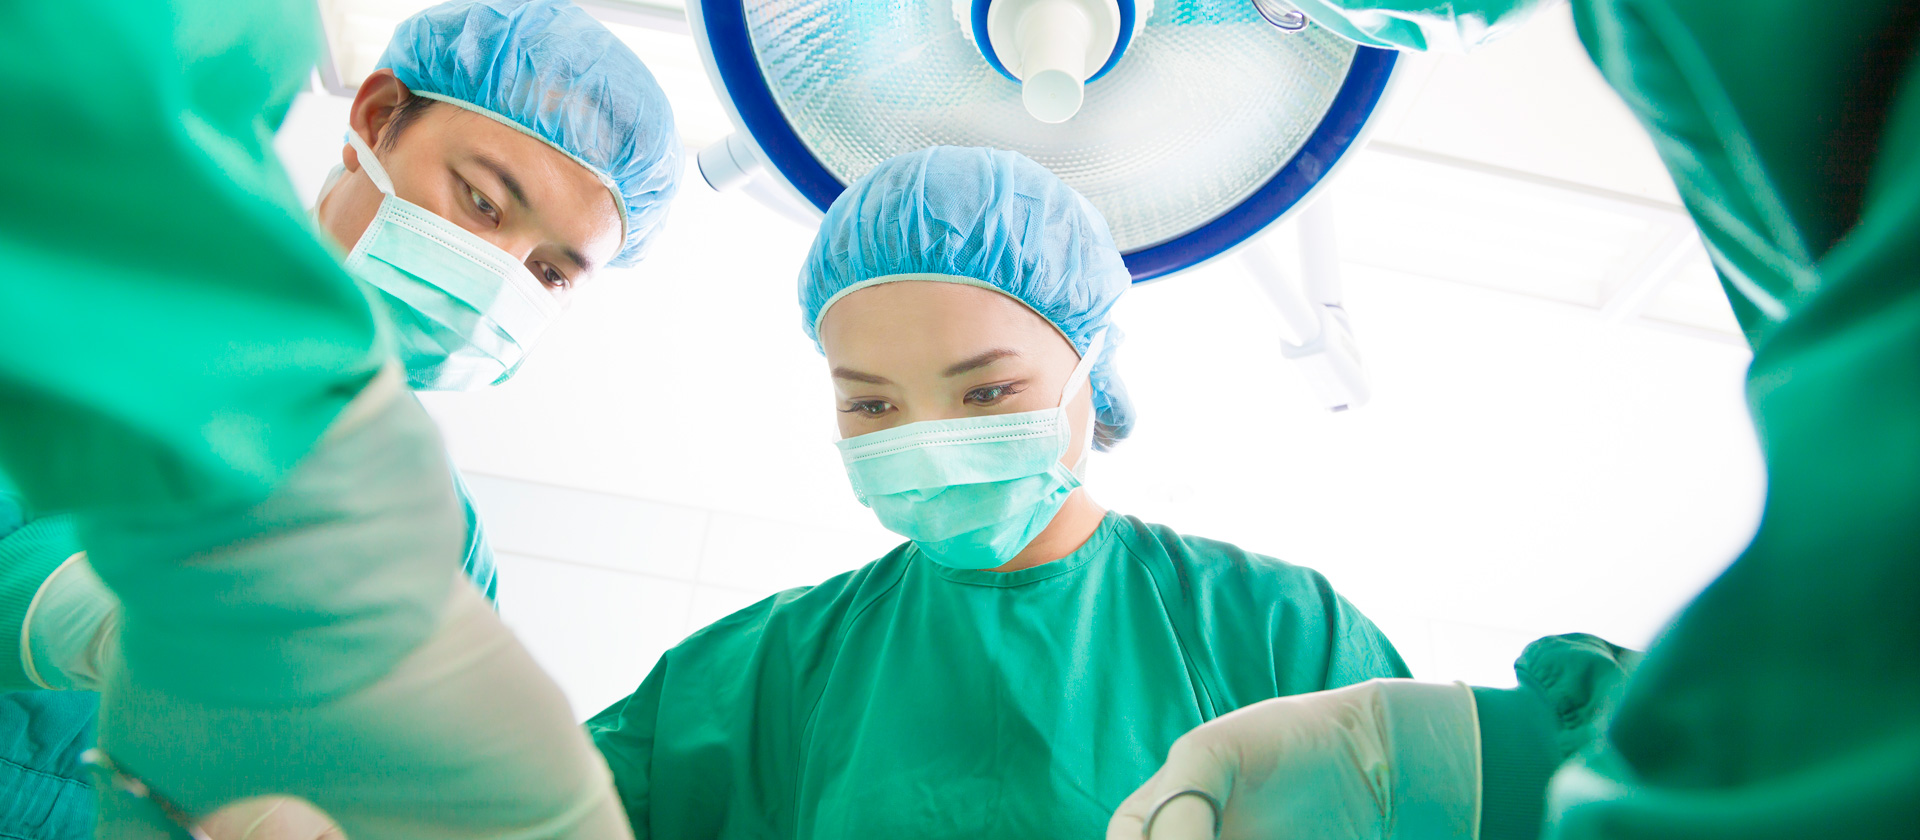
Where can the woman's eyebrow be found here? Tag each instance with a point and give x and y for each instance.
(860, 376)
(979, 361)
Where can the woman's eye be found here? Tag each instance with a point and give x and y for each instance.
(867, 408)
(481, 204)
(990, 394)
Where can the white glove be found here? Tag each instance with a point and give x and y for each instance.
(1383, 759)
(298, 691)
(271, 818)
(466, 738)
(71, 630)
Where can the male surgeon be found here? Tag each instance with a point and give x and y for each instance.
(504, 151)
(1784, 702)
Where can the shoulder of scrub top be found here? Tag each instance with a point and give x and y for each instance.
(1254, 623)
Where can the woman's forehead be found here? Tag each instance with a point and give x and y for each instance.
(921, 312)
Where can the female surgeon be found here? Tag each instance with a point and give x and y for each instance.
(1022, 662)
(1784, 702)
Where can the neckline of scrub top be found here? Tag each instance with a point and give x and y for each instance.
(1094, 547)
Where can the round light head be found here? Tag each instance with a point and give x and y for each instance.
(1211, 125)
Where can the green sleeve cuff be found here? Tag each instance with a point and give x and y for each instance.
(27, 558)
(1517, 756)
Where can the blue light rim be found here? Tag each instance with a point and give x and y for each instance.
(985, 44)
(731, 46)
(1366, 82)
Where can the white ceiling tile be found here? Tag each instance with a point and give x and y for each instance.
(1532, 101)
(1694, 298)
(1456, 224)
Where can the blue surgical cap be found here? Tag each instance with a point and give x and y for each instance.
(549, 69)
(992, 216)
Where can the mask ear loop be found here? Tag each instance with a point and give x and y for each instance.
(369, 163)
(1083, 374)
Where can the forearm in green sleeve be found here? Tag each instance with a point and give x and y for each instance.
(28, 557)
(1419, 25)
(1517, 758)
(313, 593)
(1568, 687)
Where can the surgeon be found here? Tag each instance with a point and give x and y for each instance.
(532, 142)
(1014, 667)
(229, 407)
(534, 192)
(1784, 702)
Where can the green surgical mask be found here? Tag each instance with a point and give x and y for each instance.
(971, 492)
(465, 312)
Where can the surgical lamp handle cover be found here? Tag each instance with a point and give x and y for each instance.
(1331, 362)
(728, 163)
(1320, 252)
(1273, 267)
(1315, 333)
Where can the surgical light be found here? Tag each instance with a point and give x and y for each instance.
(1192, 125)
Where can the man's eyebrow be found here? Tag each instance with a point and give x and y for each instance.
(499, 170)
(980, 361)
(573, 254)
(860, 376)
(507, 180)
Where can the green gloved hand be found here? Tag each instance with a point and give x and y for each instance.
(1381, 759)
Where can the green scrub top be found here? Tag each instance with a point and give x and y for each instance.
(907, 699)
(1784, 702)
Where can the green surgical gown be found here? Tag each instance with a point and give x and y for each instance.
(1784, 702)
(174, 336)
(910, 700)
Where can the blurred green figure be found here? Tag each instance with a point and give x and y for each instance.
(203, 386)
(1785, 701)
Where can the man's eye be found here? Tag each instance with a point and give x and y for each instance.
(552, 277)
(867, 408)
(481, 204)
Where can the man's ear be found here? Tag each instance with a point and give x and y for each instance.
(372, 112)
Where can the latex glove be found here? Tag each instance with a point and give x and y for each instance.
(461, 735)
(71, 630)
(271, 818)
(466, 738)
(1382, 759)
